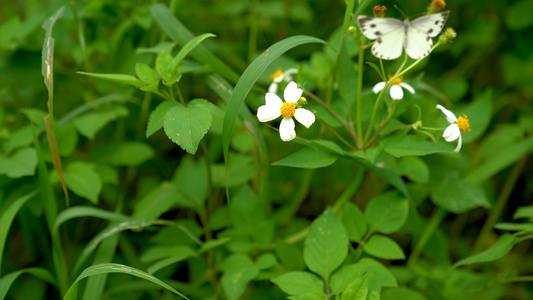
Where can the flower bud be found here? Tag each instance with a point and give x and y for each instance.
(435, 6)
(379, 11)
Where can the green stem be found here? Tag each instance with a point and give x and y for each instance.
(360, 89)
(350, 191)
(436, 219)
(374, 112)
(496, 211)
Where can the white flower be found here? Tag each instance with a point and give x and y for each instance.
(280, 76)
(453, 132)
(396, 92)
(275, 107)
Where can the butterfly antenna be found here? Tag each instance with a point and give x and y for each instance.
(395, 6)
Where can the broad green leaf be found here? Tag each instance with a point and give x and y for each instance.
(402, 293)
(525, 227)
(90, 123)
(347, 77)
(414, 168)
(383, 247)
(357, 290)
(248, 79)
(21, 163)
(238, 271)
(241, 168)
(123, 154)
(326, 244)
(163, 64)
(7, 280)
(115, 268)
(309, 296)
(498, 250)
(410, 145)
(479, 113)
(87, 211)
(120, 78)
(354, 221)
(517, 16)
(350, 273)
(157, 117)
(82, 179)
(458, 195)
(211, 244)
(7, 218)
(297, 283)
(191, 179)
(145, 73)
(387, 213)
(176, 62)
(266, 261)
(21, 137)
(289, 255)
(186, 126)
(308, 158)
(157, 201)
(246, 210)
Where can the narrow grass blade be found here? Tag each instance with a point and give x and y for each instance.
(7, 218)
(87, 211)
(115, 268)
(7, 281)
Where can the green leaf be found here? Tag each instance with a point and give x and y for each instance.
(115, 268)
(383, 247)
(410, 145)
(517, 16)
(309, 296)
(350, 273)
(123, 154)
(297, 283)
(90, 123)
(86, 211)
(163, 64)
(524, 212)
(191, 179)
(19, 138)
(7, 280)
(308, 158)
(120, 78)
(157, 201)
(266, 261)
(167, 255)
(238, 271)
(145, 73)
(414, 168)
(498, 250)
(248, 79)
(354, 221)
(479, 113)
(240, 169)
(21, 163)
(458, 195)
(347, 77)
(82, 179)
(176, 62)
(402, 293)
(357, 290)
(289, 255)
(157, 117)
(186, 126)
(326, 244)
(387, 213)
(7, 219)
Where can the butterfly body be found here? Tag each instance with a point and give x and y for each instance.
(393, 35)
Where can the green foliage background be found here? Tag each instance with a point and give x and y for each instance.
(219, 207)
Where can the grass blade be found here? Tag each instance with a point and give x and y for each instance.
(7, 281)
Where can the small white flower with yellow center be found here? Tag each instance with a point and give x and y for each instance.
(280, 76)
(275, 107)
(453, 132)
(396, 92)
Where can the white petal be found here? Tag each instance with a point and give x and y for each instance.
(459, 144)
(396, 92)
(278, 79)
(273, 88)
(292, 93)
(286, 130)
(451, 133)
(449, 115)
(378, 87)
(287, 74)
(407, 87)
(271, 110)
(305, 117)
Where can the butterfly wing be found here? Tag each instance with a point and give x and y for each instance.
(418, 42)
(389, 35)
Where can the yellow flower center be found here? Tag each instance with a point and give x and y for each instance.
(276, 74)
(288, 109)
(439, 4)
(396, 81)
(463, 123)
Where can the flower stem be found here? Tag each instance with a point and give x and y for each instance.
(436, 219)
(360, 88)
(374, 112)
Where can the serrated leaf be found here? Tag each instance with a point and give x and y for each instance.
(409, 145)
(296, 283)
(383, 247)
(326, 244)
(121, 78)
(308, 158)
(82, 179)
(387, 213)
(498, 250)
(186, 126)
(157, 117)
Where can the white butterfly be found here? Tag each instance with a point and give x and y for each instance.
(392, 35)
